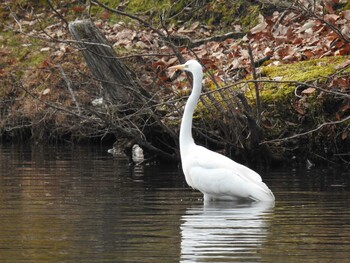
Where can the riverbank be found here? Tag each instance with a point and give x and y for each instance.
(295, 107)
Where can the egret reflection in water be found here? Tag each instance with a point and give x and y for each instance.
(224, 230)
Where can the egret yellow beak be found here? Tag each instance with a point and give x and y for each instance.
(182, 66)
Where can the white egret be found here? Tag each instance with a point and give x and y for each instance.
(213, 174)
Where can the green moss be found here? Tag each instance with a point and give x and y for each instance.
(10, 39)
(20, 53)
(218, 14)
(36, 58)
(304, 71)
(223, 13)
(41, 87)
(252, 19)
(347, 6)
(21, 56)
(137, 6)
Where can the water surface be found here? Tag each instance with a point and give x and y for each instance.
(79, 204)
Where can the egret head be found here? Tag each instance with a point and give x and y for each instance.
(192, 66)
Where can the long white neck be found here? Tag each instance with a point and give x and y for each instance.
(186, 138)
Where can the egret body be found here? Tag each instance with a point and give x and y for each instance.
(213, 174)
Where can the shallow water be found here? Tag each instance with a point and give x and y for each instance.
(80, 204)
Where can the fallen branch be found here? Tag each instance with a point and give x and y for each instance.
(182, 40)
(307, 132)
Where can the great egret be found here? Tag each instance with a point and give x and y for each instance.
(213, 174)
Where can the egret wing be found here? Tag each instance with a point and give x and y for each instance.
(213, 160)
(218, 182)
(216, 175)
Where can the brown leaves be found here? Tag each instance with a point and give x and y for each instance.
(296, 40)
(340, 83)
(282, 37)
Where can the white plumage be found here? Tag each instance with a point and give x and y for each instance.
(215, 175)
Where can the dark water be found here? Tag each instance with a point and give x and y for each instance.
(81, 205)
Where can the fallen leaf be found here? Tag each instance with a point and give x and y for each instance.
(171, 61)
(44, 49)
(298, 108)
(328, 6)
(346, 14)
(306, 26)
(308, 91)
(308, 54)
(345, 107)
(331, 18)
(344, 135)
(343, 65)
(46, 91)
(279, 78)
(194, 25)
(260, 26)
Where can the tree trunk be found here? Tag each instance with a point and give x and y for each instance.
(118, 82)
(124, 95)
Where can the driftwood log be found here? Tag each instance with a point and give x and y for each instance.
(130, 111)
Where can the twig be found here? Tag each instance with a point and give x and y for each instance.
(256, 84)
(69, 86)
(18, 23)
(212, 77)
(68, 42)
(299, 7)
(234, 35)
(294, 82)
(307, 132)
(298, 83)
(147, 55)
(89, 8)
(52, 105)
(183, 40)
(56, 12)
(279, 20)
(165, 37)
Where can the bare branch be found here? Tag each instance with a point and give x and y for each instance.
(69, 86)
(164, 37)
(52, 105)
(256, 84)
(307, 132)
(56, 12)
